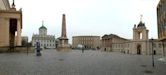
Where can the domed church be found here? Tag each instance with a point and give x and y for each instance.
(46, 41)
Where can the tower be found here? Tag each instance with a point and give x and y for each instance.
(140, 38)
(43, 30)
(63, 40)
(140, 32)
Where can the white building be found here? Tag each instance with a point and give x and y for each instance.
(46, 41)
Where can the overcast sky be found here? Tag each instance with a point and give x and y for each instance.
(88, 17)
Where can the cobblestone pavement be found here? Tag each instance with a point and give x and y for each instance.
(76, 63)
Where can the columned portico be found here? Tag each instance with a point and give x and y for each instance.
(18, 33)
(10, 27)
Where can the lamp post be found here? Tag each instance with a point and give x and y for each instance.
(163, 48)
(27, 47)
(152, 53)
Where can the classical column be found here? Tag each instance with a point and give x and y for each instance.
(7, 29)
(18, 33)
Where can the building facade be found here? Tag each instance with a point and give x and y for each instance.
(46, 41)
(89, 42)
(10, 25)
(161, 19)
(161, 24)
(24, 40)
(4, 5)
(140, 44)
(112, 42)
(106, 42)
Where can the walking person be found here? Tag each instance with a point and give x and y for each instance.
(82, 49)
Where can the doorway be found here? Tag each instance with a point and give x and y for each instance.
(12, 30)
(138, 49)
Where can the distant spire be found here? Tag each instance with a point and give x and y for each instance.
(141, 17)
(13, 4)
(42, 23)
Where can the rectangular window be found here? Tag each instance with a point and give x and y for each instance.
(160, 45)
(154, 45)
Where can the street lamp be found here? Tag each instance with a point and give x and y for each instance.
(163, 48)
(152, 53)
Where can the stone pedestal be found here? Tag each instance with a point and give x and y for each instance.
(63, 40)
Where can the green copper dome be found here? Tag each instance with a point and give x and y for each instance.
(42, 27)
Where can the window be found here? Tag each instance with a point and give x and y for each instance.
(128, 45)
(159, 45)
(154, 45)
(140, 36)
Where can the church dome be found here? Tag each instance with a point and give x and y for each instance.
(42, 27)
(141, 24)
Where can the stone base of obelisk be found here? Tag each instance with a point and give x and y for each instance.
(64, 48)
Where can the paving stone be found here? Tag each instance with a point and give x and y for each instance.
(77, 63)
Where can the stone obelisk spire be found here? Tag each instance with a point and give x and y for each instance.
(63, 33)
(63, 40)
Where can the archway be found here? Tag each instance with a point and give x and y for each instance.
(139, 49)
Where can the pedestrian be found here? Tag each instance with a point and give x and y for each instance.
(82, 49)
(104, 49)
(38, 49)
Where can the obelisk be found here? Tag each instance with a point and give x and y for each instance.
(63, 33)
(63, 40)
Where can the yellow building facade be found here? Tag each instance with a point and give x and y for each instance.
(89, 42)
(161, 24)
(10, 25)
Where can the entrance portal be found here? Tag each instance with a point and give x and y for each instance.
(139, 49)
(12, 30)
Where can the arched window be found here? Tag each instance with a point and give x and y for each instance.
(140, 35)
